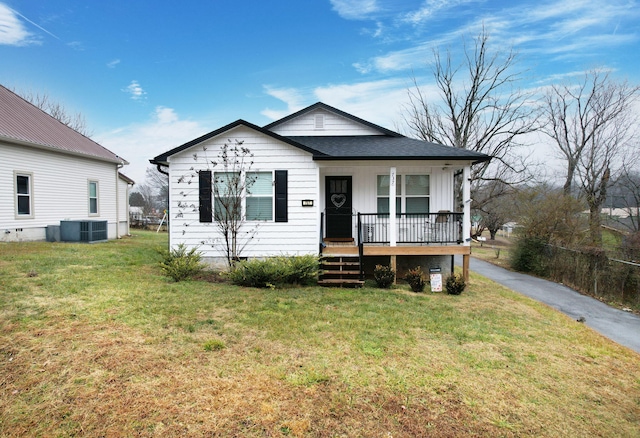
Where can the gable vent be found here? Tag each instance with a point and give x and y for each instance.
(319, 119)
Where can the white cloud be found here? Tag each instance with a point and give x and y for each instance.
(113, 64)
(140, 142)
(135, 90)
(574, 28)
(379, 102)
(355, 9)
(430, 9)
(295, 100)
(12, 31)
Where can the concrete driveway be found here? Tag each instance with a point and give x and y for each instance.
(617, 325)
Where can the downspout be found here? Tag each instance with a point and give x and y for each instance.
(118, 167)
(158, 167)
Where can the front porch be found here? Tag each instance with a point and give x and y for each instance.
(423, 234)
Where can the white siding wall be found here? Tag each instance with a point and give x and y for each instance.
(123, 207)
(297, 236)
(333, 124)
(364, 180)
(60, 190)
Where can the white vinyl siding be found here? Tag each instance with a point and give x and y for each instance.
(322, 122)
(297, 236)
(58, 190)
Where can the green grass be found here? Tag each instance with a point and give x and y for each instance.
(95, 341)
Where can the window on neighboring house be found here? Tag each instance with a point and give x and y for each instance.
(259, 196)
(412, 193)
(227, 195)
(24, 195)
(93, 198)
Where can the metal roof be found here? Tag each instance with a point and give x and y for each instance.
(383, 147)
(24, 124)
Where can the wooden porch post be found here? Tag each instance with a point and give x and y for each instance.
(392, 207)
(465, 267)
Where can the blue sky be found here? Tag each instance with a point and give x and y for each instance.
(151, 75)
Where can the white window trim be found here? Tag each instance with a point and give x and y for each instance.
(89, 182)
(29, 175)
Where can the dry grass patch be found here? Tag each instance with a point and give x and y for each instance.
(118, 350)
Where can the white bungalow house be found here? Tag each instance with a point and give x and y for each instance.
(55, 182)
(323, 180)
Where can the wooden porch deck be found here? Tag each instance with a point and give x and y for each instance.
(346, 249)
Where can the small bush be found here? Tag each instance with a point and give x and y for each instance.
(180, 264)
(455, 284)
(301, 270)
(275, 271)
(384, 276)
(530, 255)
(416, 279)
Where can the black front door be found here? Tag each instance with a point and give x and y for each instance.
(338, 204)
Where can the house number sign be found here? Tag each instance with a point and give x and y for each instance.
(307, 202)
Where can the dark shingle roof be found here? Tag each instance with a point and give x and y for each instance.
(389, 145)
(382, 147)
(23, 123)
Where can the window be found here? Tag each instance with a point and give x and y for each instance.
(417, 194)
(227, 196)
(383, 193)
(412, 194)
(266, 195)
(24, 195)
(93, 198)
(259, 196)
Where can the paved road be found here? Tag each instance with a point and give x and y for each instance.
(619, 326)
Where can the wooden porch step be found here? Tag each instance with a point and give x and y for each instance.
(340, 281)
(340, 264)
(339, 272)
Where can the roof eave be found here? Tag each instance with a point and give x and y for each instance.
(474, 160)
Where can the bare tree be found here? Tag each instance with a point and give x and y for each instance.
(75, 121)
(159, 183)
(147, 195)
(230, 179)
(592, 125)
(484, 112)
(626, 195)
(495, 206)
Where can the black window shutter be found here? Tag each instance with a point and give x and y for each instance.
(204, 195)
(281, 196)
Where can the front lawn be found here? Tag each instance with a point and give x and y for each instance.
(94, 341)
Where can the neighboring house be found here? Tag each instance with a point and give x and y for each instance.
(325, 178)
(50, 173)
